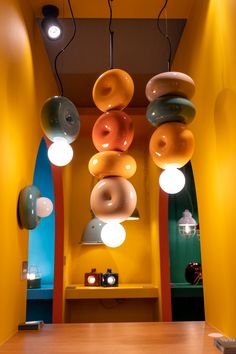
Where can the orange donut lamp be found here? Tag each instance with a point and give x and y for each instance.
(113, 131)
(113, 199)
(113, 90)
(172, 144)
(112, 163)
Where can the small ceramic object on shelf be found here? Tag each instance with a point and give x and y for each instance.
(92, 278)
(171, 145)
(113, 90)
(113, 199)
(112, 163)
(170, 109)
(193, 273)
(113, 131)
(110, 279)
(170, 83)
(60, 119)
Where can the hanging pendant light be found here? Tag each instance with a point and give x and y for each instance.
(187, 225)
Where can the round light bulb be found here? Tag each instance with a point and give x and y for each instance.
(113, 234)
(111, 280)
(54, 32)
(31, 276)
(172, 180)
(60, 153)
(91, 279)
(44, 207)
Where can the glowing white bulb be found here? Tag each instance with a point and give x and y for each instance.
(54, 32)
(31, 276)
(60, 153)
(113, 234)
(44, 207)
(172, 180)
(91, 279)
(111, 280)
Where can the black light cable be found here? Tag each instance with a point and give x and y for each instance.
(111, 34)
(63, 50)
(165, 34)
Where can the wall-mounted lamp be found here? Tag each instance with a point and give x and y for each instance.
(110, 279)
(50, 24)
(61, 124)
(32, 207)
(92, 232)
(187, 225)
(92, 278)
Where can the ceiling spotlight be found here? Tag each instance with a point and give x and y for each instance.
(50, 23)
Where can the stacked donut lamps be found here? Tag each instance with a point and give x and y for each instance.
(61, 124)
(170, 110)
(113, 198)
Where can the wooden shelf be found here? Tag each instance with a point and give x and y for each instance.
(43, 293)
(132, 291)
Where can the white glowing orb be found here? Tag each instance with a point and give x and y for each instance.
(91, 279)
(113, 234)
(60, 153)
(44, 207)
(111, 280)
(172, 180)
(54, 32)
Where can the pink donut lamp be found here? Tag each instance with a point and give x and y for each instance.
(113, 199)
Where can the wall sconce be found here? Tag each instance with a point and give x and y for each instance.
(33, 278)
(50, 23)
(32, 207)
(172, 144)
(92, 232)
(92, 278)
(110, 279)
(187, 225)
(61, 124)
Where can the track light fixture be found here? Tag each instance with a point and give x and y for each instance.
(50, 24)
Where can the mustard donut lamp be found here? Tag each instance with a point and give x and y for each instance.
(31, 207)
(171, 145)
(112, 163)
(113, 90)
(60, 118)
(113, 199)
(114, 131)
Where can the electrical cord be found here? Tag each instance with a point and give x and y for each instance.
(63, 50)
(111, 35)
(165, 34)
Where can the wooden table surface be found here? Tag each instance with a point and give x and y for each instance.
(120, 338)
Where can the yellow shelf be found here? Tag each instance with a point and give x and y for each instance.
(134, 291)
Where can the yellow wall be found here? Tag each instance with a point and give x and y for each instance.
(137, 260)
(25, 82)
(207, 53)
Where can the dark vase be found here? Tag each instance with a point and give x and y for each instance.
(193, 273)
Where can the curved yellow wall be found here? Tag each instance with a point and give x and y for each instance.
(207, 53)
(25, 82)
